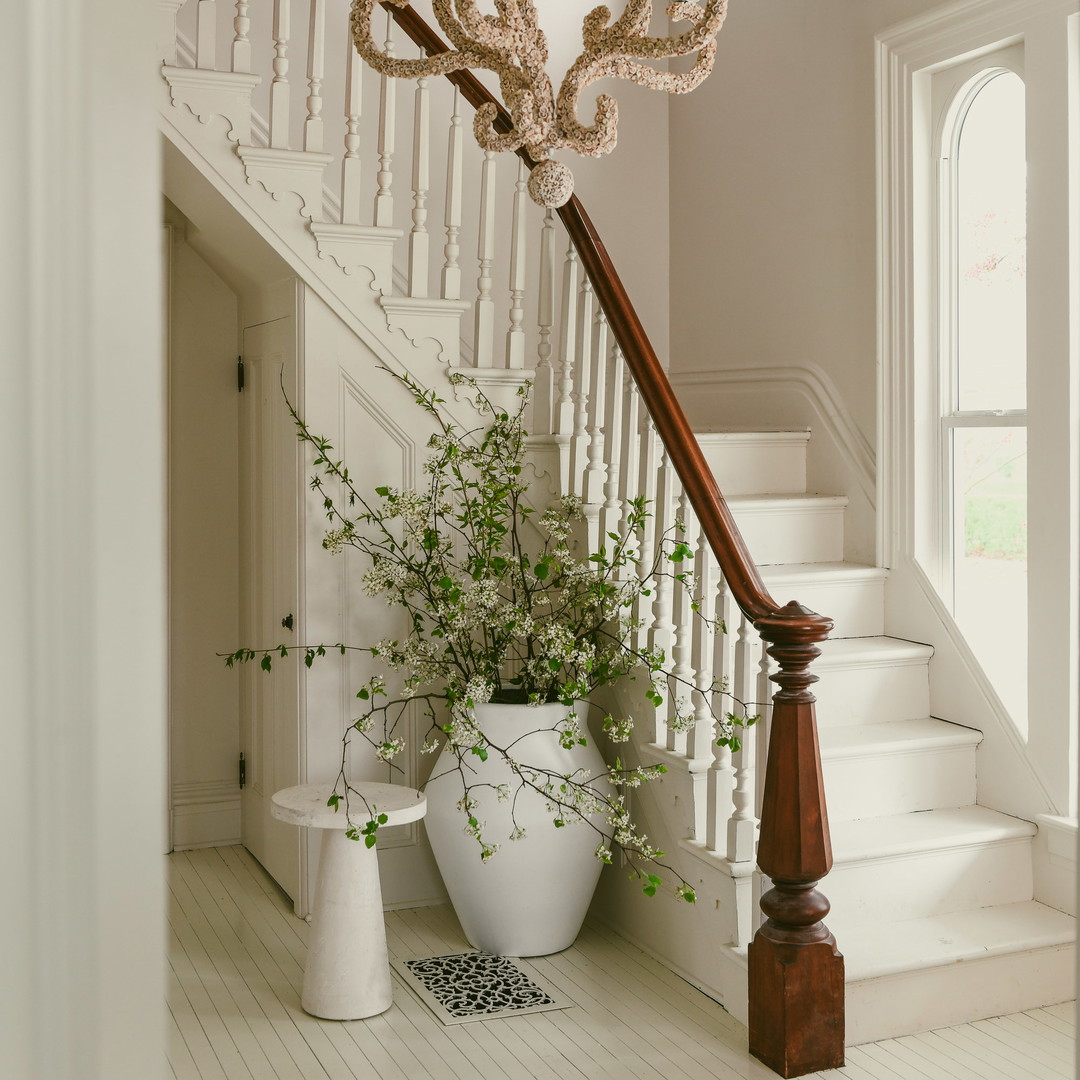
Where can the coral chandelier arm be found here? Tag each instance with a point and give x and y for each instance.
(511, 44)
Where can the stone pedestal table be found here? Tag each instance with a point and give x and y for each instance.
(347, 976)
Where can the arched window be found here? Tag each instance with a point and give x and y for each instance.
(982, 368)
(979, 184)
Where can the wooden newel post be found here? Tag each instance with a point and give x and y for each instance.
(796, 977)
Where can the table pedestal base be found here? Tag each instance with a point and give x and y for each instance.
(347, 975)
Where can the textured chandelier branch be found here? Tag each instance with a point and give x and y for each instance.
(617, 52)
(511, 44)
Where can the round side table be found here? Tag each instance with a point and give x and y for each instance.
(347, 975)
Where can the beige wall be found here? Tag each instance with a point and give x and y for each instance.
(203, 549)
(773, 196)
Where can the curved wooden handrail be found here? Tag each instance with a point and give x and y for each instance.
(796, 974)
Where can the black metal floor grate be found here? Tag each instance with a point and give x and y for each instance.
(477, 986)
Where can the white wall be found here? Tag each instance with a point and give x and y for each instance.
(773, 222)
(204, 548)
(82, 725)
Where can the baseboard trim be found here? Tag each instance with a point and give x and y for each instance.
(205, 813)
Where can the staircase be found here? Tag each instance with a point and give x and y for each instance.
(932, 895)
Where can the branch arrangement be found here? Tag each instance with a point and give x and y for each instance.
(499, 606)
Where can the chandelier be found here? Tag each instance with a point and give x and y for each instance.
(511, 44)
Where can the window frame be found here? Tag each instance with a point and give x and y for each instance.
(954, 89)
(1041, 770)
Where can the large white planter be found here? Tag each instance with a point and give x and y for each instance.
(531, 897)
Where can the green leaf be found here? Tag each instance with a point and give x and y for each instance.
(369, 840)
(266, 663)
(383, 491)
(333, 801)
(480, 752)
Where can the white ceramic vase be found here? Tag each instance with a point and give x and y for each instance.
(531, 896)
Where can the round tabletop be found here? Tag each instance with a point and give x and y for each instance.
(306, 805)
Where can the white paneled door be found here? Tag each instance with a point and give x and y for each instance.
(270, 493)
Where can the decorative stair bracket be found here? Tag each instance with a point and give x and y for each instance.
(796, 976)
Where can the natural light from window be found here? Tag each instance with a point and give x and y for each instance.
(984, 427)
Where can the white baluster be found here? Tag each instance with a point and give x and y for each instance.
(279, 87)
(206, 35)
(384, 198)
(611, 515)
(760, 732)
(648, 449)
(515, 336)
(702, 737)
(630, 447)
(484, 337)
(683, 677)
(722, 773)
(743, 824)
(662, 629)
(313, 124)
(451, 274)
(579, 442)
(418, 237)
(351, 174)
(544, 385)
(568, 317)
(592, 489)
(167, 10)
(241, 44)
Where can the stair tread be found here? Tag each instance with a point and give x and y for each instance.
(922, 831)
(850, 652)
(894, 736)
(742, 435)
(872, 950)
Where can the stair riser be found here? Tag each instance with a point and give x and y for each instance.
(871, 693)
(959, 993)
(876, 785)
(753, 463)
(857, 608)
(801, 534)
(916, 886)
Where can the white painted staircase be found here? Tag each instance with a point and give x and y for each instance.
(932, 895)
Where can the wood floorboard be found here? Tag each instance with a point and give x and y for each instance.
(979, 1061)
(237, 954)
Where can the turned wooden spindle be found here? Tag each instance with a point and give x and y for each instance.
(796, 986)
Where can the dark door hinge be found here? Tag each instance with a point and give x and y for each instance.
(243, 770)
(239, 374)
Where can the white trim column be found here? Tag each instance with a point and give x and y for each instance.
(82, 637)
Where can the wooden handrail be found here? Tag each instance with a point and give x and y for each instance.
(796, 974)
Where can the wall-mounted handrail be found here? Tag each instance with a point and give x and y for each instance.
(796, 974)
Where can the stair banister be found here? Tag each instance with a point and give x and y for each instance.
(796, 974)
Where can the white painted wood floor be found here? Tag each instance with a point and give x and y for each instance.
(236, 953)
